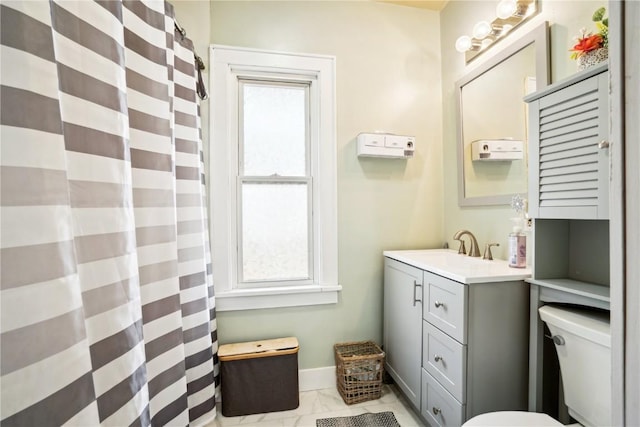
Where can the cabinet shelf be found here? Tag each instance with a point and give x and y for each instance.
(572, 254)
(598, 293)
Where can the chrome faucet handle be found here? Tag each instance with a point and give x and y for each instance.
(462, 249)
(487, 250)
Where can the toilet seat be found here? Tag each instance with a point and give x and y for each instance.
(512, 419)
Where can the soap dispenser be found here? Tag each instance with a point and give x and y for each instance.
(517, 248)
(517, 238)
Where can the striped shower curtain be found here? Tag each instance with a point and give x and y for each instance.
(107, 305)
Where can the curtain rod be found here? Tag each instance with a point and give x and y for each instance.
(200, 88)
(183, 33)
(181, 30)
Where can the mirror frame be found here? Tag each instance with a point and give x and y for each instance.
(539, 37)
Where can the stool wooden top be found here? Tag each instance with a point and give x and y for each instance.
(256, 349)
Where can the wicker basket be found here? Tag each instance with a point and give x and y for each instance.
(359, 368)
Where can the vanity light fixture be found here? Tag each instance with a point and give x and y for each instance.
(510, 14)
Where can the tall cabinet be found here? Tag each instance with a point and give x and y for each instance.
(569, 203)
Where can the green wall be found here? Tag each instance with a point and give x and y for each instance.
(388, 79)
(396, 71)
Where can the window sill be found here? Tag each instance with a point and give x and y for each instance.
(293, 296)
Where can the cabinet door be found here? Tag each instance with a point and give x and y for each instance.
(569, 167)
(402, 334)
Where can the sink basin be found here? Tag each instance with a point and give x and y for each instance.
(461, 268)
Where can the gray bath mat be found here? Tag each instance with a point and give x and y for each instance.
(380, 419)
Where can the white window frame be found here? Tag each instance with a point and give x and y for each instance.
(228, 65)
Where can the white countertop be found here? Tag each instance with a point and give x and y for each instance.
(461, 268)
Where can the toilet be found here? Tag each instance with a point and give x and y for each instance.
(583, 343)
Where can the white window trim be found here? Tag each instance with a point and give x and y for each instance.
(226, 64)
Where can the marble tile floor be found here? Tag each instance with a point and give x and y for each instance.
(324, 404)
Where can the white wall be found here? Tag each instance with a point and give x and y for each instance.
(491, 223)
(388, 79)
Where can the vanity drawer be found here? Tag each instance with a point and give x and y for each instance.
(445, 305)
(438, 407)
(445, 359)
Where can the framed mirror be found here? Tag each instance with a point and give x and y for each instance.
(490, 107)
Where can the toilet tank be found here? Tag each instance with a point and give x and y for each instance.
(582, 339)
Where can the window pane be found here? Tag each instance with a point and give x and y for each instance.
(274, 140)
(275, 232)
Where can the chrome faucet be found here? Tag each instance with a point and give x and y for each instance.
(474, 251)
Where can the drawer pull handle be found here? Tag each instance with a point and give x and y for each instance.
(439, 304)
(437, 358)
(416, 285)
(435, 410)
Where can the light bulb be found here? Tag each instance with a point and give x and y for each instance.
(506, 8)
(463, 44)
(481, 30)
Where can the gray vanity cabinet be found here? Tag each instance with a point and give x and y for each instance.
(456, 350)
(569, 149)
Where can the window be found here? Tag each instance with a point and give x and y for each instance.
(272, 179)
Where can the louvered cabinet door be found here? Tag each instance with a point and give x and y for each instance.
(569, 154)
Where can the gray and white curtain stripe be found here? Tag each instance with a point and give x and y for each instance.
(108, 311)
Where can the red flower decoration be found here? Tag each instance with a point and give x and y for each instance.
(585, 44)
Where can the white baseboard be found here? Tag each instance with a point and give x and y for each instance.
(317, 378)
